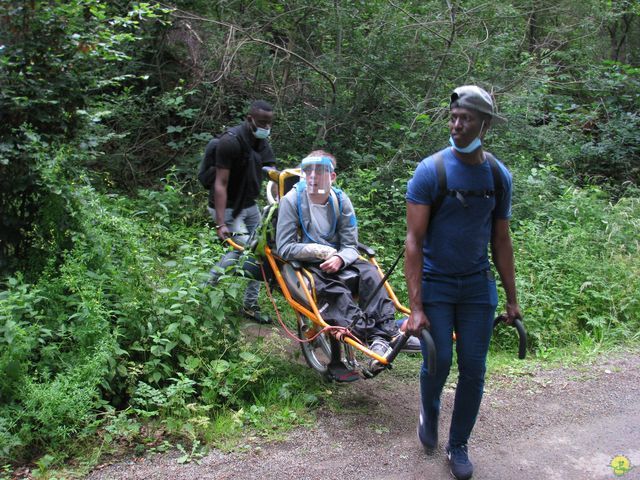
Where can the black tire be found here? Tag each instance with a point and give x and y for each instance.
(318, 352)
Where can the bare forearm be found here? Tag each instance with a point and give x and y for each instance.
(505, 264)
(413, 274)
(417, 224)
(220, 199)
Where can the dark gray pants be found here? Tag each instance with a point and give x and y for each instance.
(334, 292)
(245, 223)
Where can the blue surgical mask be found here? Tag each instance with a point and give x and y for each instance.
(476, 143)
(260, 133)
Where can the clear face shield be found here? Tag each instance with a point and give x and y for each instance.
(316, 172)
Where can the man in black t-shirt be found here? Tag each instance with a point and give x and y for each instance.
(240, 154)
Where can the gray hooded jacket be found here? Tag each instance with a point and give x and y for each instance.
(290, 241)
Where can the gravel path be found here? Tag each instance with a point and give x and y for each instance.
(561, 423)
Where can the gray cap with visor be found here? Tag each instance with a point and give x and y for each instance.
(476, 98)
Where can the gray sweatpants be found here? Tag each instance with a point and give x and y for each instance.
(245, 223)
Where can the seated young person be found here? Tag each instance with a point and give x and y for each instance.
(317, 225)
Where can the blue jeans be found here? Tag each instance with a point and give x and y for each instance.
(466, 305)
(244, 224)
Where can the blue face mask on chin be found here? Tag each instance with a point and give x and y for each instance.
(259, 132)
(475, 144)
(262, 133)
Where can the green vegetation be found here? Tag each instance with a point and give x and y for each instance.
(107, 337)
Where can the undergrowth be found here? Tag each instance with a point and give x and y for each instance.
(118, 345)
(122, 336)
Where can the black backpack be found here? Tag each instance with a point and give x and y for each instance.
(443, 191)
(207, 168)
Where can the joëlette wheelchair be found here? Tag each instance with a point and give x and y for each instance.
(319, 340)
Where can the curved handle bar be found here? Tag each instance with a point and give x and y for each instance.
(431, 350)
(522, 334)
(271, 173)
(235, 245)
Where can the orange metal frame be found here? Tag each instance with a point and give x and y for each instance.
(312, 312)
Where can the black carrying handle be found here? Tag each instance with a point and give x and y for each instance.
(522, 334)
(431, 350)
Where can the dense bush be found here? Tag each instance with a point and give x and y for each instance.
(121, 315)
(56, 58)
(577, 259)
(599, 118)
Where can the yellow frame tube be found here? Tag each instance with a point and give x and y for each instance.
(235, 245)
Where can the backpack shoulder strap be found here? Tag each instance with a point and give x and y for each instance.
(442, 184)
(498, 186)
(496, 173)
(338, 195)
(236, 133)
(300, 187)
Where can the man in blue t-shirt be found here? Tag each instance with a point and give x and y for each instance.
(449, 277)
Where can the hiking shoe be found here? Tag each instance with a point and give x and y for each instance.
(382, 348)
(427, 431)
(461, 466)
(254, 314)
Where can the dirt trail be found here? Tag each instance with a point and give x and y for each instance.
(553, 424)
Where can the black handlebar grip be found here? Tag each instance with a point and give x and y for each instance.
(431, 352)
(522, 334)
(397, 347)
(522, 349)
